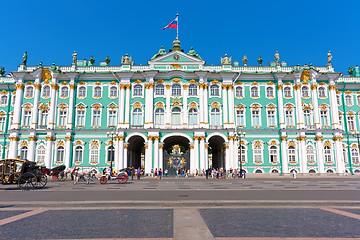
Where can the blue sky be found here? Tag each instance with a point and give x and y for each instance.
(302, 31)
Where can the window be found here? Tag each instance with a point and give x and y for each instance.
(192, 90)
(341, 120)
(310, 154)
(348, 100)
(80, 117)
(82, 92)
(307, 117)
(64, 92)
(239, 92)
(291, 154)
(176, 90)
(345, 154)
(2, 123)
(29, 92)
(255, 118)
(78, 154)
(176, 116)
(159, 89)
(358, 99)
(351, 123)
(354, 155)
(257, 154)
(43, 118)
(193, 116)
(46, 91)
(289, 119)
(113, 92)
(4, 100)
(324, 118)
(214, 91)
(137, 117)
(215, 117)
(322, 92)
(159, 116)
(270, 92)
(94, 154)
(137, 90)
(40, 154)
(338, 99)
(273, 154)
(23, 152)
(111, 154)
(243, 154)
(96, 118)
(112, 118)
(327, 154)
(27, 118)
(60, 153)
(97, 92)
(240, 118)
(62, 118)
(305, 92)
(254, 92)
(271, 118)
(287, 92)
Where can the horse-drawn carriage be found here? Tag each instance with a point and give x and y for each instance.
(23, 173)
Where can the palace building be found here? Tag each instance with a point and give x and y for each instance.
(179, 112)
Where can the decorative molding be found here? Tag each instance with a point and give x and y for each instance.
(50, 138)
(319, 138)
(32, 138)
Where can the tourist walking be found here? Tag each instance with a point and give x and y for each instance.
(166, 172)
(160, 172)
(138, 173)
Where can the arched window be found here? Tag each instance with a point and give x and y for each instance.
(193, 113)
(60, 153)
(305, 92)
(2, 122)
(96, 118)
(257, 154)
(354, 155)
(271, 117)
(243, 154)
(240, 117)
(112, 117)
(324, 118)
(192, 90)
(94, 154)
(327, 154)
(255, 115)
(43, 118)
(46, 91)
(239, 92)
(351, 123)
(176, 90)
(348, 100)
(111, 154)
(64, 92)
(113, 92)
(27, 118)
(29, 92)
(137, 117)
(78, 154)
(307, 117)
(310, 154)
(215, 117)
(23, 152)
(176, 116)
(137, 90)
(322, 92)
(214, 90)
(273, 154)
(4, 100)
(80, 117)
(97, 91)
(291, 154)
(62, 118)
(287, 92)
(159, 116)
(254, 91)
(40, 154)
(159, 89)
(82, 92)
(270, 92)
(289, 117)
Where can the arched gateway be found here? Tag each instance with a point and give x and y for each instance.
(176, 152)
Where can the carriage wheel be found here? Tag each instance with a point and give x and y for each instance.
(123, 178)
(26, 180)
(103, 180)
(40, 181)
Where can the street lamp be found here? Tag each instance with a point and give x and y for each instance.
(112, 135)
(239, 135)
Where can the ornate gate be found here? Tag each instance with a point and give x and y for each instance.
(176, 159)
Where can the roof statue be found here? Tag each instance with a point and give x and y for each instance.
(24, 58)
(160, 53)
(194, 54)
(260, 60)
(126, 60)
(277, 59)
(107, 60)
(329, 59)
(176, 45)
(245, 60)
(92, 60)
(226, 60)
(74, 56)
(2, 71)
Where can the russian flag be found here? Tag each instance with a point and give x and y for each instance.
(173, 24)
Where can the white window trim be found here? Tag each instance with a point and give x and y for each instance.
(160, 95)
(98, 152)
(331, 153)
(142, 116)
(86, 91)
(108, 116)
(244, 109)
(246, 153)
(308, 90)
(291, 92)
(252, 119)
(277, 152)
(142, 90)
(92, 117)
(76, 117)
(267, 115)
(26, 89)
(243, 92)
(23, 116)
(296, 155)
(74, 154)
(258, 91)
(221, 117)
(197, 90)
(66, 117)
(101, 91)
(61, 89)
(109, 92)
(262, 153)
(306, 154)
(220, 92)
(42, 91)
(266, 93)
(326, 94)
(56, 154)
(352, 100)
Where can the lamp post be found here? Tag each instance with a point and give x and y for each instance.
(112, 135)
(239, 135)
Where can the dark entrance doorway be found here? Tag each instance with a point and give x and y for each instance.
(176, 154)
(216, 152)
(136, 152)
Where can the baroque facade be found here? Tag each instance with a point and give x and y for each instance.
(177, 111)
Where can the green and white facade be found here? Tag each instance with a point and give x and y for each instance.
(295, 117)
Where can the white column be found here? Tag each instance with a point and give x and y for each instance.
(302, 154)
(148, 154)
(340, 164)
(53, 100)
(227, 155)
(70, 118)
(49, 151)
(192, 158)
(168, 107)
(116, 157)
(14, 140)
(126, 156)
(202, 154)
(127, 106)
(315, 105)
(121, 105)
(225, 106)
(122, 163)
(17, 108)
(201, 103)
(156, 152)
(149, 104)
(185, 105)
(206, 156)
(32, 146)
(281, 106)
(68, 151)
(299, 111)
(205, 107)
(231, 106)
(35, 110)
(161, 156)
(285, 167)
(334, 107)
(196, 154)
(320, 154)
(231, 152)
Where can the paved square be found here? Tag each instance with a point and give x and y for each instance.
(6, 214)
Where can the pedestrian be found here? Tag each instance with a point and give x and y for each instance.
(207, 173)
(166, 172)
(156, 172)
(178, 172)
(160, 172)
(132, 173)
(294, 173)
(183, 172)
(244, 173)
(196, 173)
(138, 173)
(152, 173)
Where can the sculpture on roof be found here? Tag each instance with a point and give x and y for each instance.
(24, 58)
(277, 58)
(74, 56)
(245, 60)
(126, 60)
(160, 53)
(107, 60)
(2, 71)
(226, 60)
(92, 60)
(194, 54)
(260, 60)
(329, 59)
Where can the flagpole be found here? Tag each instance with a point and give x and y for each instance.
(177, 29)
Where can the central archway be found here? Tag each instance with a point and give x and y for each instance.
(216, 152)
(136, 152)
(176, 154)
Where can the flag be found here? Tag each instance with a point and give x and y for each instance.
(173, 24)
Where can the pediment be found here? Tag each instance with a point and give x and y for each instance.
(176, 57)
